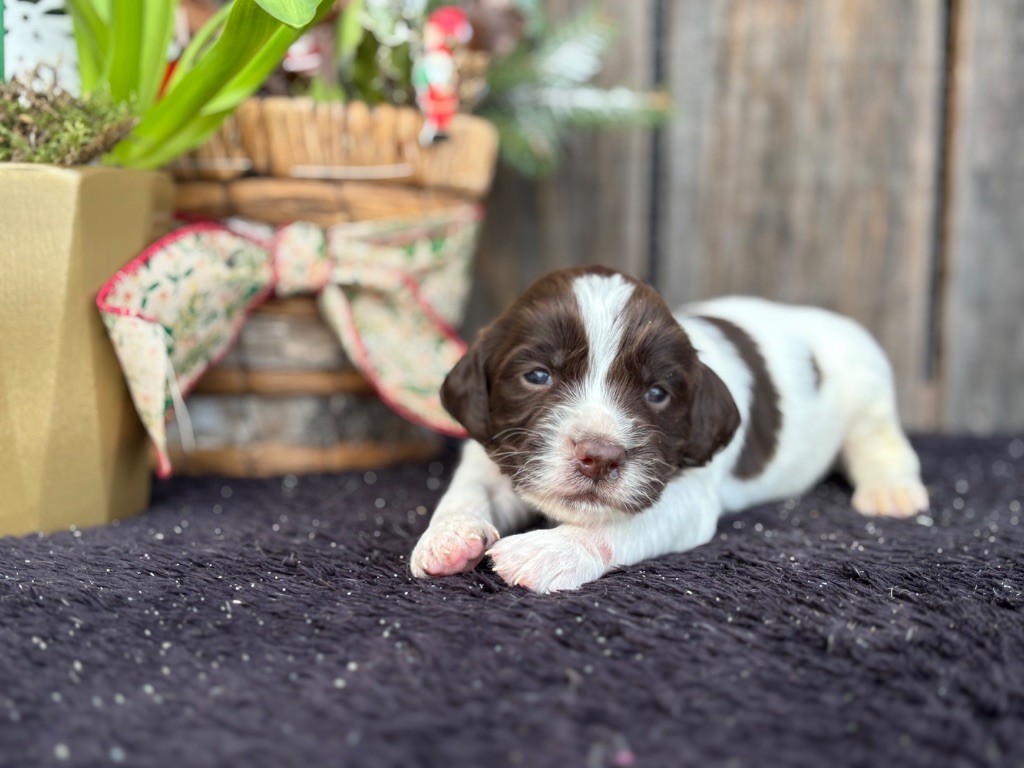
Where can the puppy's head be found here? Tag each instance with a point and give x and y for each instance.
(590, 396)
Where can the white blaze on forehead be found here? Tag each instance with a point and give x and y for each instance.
(589, 409)
(602, 302)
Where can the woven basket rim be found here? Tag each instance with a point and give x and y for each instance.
(301, 138)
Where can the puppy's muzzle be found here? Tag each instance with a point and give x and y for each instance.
(598, 459)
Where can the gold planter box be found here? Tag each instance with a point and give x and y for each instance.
(72, 450)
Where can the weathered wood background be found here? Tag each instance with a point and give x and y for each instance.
(862, 155)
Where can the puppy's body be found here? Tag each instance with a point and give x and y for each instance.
(828, 379)
(590, 403)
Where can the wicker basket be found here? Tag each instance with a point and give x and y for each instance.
(281, 160)
(286, 399)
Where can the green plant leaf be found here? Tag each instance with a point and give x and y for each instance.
(349, 33)
(157, 30)
(250, 46)
(294, 13)
(252, 75)
(92, 38)
(90, 60)
(194, 133)
(104, 8)
(198, 44)
(320, 91)
(246, 30)
(255, 73)
(125, 49)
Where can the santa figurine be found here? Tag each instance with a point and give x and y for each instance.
(435, 75)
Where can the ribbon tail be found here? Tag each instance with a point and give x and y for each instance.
(141, 348)
(174, 310)
(403, 360)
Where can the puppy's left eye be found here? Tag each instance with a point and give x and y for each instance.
(656, 395)
(538, 377)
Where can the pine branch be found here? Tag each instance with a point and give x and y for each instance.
(572, 52)
(511, 71)
(530, 141)
(596, 107)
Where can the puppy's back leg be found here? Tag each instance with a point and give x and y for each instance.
(880, 462)
(478, 508)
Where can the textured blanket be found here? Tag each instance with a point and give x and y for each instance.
(273, 623)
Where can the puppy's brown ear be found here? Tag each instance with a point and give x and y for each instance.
(713, 420)
(465, 394)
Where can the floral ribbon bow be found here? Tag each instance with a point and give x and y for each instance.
(391, 292)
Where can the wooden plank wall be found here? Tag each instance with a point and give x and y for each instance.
(817, 157)
(806, 171)
(982, 351)
(596, 209)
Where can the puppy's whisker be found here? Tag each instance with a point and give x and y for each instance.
(510, 431)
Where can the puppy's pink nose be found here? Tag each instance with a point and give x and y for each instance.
(598, 458)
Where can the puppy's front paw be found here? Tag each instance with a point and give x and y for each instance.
(452, 546)
(895, 498)
(561, 558)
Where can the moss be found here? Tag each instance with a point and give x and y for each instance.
(41, 123)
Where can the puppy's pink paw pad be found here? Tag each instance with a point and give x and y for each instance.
(451, 549)
(460, 555)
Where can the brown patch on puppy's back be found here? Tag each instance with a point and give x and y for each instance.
(764, 421)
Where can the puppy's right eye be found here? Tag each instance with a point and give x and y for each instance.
(538, 377)
(656, 396)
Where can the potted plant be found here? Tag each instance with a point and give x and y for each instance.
(78, 200)
(349, 129)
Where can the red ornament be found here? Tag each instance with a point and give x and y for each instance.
(435, 76)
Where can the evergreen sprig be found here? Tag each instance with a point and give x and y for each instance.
(542, 89)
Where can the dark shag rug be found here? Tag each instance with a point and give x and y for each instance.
(273, 623)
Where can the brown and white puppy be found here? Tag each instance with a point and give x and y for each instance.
(635, 429)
